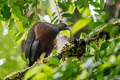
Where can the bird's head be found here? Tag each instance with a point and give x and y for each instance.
(63, 26)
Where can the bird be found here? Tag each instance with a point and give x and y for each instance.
(42, 38)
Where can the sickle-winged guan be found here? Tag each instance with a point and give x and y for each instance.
(41, 38)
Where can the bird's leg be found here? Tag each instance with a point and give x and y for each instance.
(54, 43)
(38, 60)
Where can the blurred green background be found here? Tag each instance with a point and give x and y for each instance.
(10, 59)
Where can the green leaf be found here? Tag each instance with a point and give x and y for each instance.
(93, 45)
(54, 52)
(97, 55)
(6, 12)
(104, 46)
(2, 1)
(86, 13)
(112, 2)
(106, 65)
(96, 5)
(56, 21)
(71, 9)
(16, 11)
(67, 33)
(97, 10)
(83, 75)
(19, 26)
(80, 24)
(53, 14)
(31, 72)
(19, 35)
(53, 19)
(42, 56)
(40, 76)
(53, 61)
(112, 59)
(68, 15)
(11, 23)
(39, 72)
(69, 23)
(62, 6)
(23, 57)
(83, 35)
(102, 3)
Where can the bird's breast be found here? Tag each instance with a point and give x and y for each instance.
(46, 46)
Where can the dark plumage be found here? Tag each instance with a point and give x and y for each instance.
(41, 38)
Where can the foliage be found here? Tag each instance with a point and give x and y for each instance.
(101, 60)
(9, 54)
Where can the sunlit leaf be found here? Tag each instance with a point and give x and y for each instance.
(40, 76)
(54, 52)
(86, 13)
(71, 9)
(106, 65)
(17, 12)
(80, 24)
(18, 36)
(83, 75)
(19, 26)
(102, 3)
(11, 23)
(53, 19)
(54, 61)
(112, 59)
(31, 72)
(67, 33)
(69, 23)
(42, 56)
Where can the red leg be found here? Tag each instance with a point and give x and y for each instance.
(38, 60)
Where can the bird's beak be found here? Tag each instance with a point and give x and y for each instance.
(67, 28)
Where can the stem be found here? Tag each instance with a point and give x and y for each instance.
(59, 15)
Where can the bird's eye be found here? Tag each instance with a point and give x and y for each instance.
(64, 25)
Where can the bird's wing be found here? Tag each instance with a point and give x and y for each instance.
(30, 40)
(34, 52)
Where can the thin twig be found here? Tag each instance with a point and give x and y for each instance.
(59, 15)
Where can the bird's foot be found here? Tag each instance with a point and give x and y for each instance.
(38, 60)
